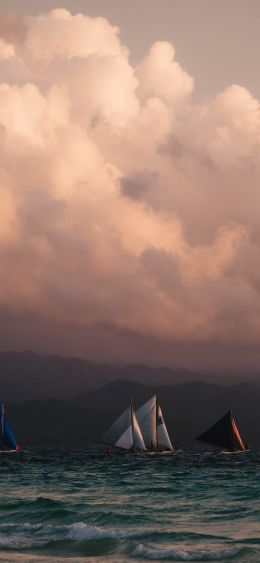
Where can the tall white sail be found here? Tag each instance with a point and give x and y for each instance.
(125, 432)
(163, 439)
(126, 440)
(138, 440)
(121, 431)
(146, 417)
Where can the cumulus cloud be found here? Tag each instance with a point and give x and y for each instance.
(123, 202)
(161, 76)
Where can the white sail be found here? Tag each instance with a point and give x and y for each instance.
(138, 440)
(126, 440)
(125, 432)
(163, 439)
(146, 417)
(120, 433)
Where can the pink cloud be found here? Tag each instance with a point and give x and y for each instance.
(123, 201)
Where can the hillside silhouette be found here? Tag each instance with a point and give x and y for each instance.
(27, 376)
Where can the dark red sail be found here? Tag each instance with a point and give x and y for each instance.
(224, 434)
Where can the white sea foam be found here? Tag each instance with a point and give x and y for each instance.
(81, 531)
(180, 555)
(28, 533)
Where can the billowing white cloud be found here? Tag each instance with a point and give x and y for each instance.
(161, 76)
(122, 201)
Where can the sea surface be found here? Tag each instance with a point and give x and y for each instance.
(78, 504)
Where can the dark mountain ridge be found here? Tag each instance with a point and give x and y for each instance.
(27, 375)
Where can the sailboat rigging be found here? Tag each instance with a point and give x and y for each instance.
(153, 427)
(224, 434)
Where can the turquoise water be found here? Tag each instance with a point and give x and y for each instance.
(58, 503)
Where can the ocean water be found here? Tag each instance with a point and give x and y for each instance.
(74, 504)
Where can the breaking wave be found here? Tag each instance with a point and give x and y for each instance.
(94, 540)
(37, 535)
(180, 555)
(81, 531)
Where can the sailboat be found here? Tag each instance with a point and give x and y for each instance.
(153, 427)
(7, 439)
(125, 433)
(224, 434)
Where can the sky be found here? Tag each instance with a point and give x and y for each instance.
(129, 181)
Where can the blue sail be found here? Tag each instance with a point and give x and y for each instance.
(7, 439)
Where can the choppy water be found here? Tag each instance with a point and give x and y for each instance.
(82, 503)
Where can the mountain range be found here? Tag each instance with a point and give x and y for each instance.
(27, 375)
(53, 400)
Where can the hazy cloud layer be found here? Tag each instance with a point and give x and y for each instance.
(122, 201)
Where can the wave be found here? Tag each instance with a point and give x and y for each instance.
(30, 535)
(93, 541)
(81, 531)
(154, 554)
